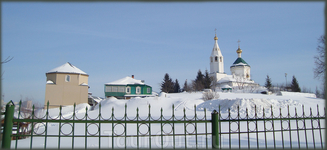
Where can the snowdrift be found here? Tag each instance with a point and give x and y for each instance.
(242, 105)
(284, 93)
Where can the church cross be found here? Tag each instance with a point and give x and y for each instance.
(238, 43)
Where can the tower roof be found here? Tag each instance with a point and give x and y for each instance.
(240, 62)
(216, 49)
(67, 68)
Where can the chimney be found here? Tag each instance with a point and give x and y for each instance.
(133, 76)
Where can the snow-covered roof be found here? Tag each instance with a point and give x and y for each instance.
(50, 82)
(240, 62)
(67, 68)
(84, 84)
(226, 86)
(96, 98)
(228, 78)
(125, 81)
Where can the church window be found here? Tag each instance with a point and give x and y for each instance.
(221, 59)
(216, 59)
(211, 59)
(67, 79)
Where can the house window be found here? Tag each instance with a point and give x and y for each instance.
(108, 88)
(216, 59)
(138, 90)
(121, 89)
(128, 90)
(114, 89)
(67, 79)
(148, 90)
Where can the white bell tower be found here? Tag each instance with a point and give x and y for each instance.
(216, 62)
(216, 59)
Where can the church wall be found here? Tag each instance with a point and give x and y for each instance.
(218, 76)
(241, 71)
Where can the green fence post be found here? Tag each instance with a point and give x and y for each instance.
(215, 129)
(8, 124)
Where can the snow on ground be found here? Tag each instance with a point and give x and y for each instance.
(176, 103)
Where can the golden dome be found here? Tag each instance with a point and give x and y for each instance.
(215, 37)
(239, 50)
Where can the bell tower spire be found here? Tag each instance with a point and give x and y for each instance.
(216, 58)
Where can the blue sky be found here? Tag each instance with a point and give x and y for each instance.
(112, 40)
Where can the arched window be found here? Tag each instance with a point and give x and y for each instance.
(67, 78)
(216, 59)
(138, 90)
(211, 59)
(221, 59)
(128, 90)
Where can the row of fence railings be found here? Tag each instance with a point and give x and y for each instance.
(200, 129)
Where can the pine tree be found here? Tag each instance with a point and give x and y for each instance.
(295, 85)
(207, 80)
(199, 81)
(185, 86)
(167, 85)
(177, 88)
(268, 83)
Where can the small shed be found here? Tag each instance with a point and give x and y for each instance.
(226, 88)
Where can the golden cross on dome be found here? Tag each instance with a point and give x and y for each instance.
(215, 35)
(238, 43)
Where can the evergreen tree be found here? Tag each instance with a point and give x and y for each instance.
(185, 87)
(207, 80)
(295, 85)
(167, 85)
(199, 81)
(177, 88)
(268, 83)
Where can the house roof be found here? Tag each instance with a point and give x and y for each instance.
(67, 68)
(125, 81)
(240, 62)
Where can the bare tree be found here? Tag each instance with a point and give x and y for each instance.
(214, 83)
(240, 81)
(319, 69)
(209, 95)
(7, 60)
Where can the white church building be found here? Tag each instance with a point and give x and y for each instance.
(240, 70)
